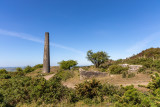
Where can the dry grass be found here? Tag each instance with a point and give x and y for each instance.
(53, 70)
(139, 79)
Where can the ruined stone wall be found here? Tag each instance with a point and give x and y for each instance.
(90, 74)
(132, 68)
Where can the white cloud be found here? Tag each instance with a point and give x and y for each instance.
(32, 38)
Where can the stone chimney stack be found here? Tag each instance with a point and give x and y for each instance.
(46, 58)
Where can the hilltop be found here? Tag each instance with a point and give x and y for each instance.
(153, 53)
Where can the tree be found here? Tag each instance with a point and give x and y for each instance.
(97, 58)
(67, 64)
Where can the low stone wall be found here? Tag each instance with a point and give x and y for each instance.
(132, 68)
(90, 74)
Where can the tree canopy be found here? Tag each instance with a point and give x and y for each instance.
(97, 58)
(67, 64)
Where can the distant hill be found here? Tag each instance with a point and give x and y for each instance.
(153, 53)
(10, 68)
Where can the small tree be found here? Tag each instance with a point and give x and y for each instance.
(97, 58)
(67, 64)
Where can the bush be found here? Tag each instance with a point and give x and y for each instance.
(5, 76)
(27, 89)
(37, 66)
(124, 74)
(89, 89)
(132, 97)
(3, 71)
(28, 69)
(66, 65)
(1, 98)
(130, 75)
(155, 83)
(117, 69)
(142, 69)
(110, 90)
(18, 69)
(64, 75)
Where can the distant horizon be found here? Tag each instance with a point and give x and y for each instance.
(77, 65)
(120, 28)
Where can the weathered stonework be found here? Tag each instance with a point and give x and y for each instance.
(132, 68)
(90, 74)
(46, 58)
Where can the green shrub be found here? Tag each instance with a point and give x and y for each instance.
(109, 90)
(130, 75)
(28, 69)
(103, 70)
(64, 74)
(18, 69)
(5, 76)
(132, 97)
(155, 83)
(142, 69)
(89, 89)
(117, 69)
(37, 66)
(27, 89)
(66, 65)
(124, 74)
(1, 98)
(3, 71)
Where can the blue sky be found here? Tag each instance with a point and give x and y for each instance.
(119, 27)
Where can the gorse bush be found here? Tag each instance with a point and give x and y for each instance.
(3, 71)
(1, 98)
(89, 89)
(26, 90)
(18, 69)
(117, 69)
(132, 97)
(5, 76)
(130, 75)
(155, 83)
(28, 69)
(124, 74)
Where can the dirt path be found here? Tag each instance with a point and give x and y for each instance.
(47, 77)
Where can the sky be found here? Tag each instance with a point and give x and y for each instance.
(119, 27)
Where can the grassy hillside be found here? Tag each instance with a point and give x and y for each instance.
(153, 53)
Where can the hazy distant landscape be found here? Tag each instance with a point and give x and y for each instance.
(9, 68)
